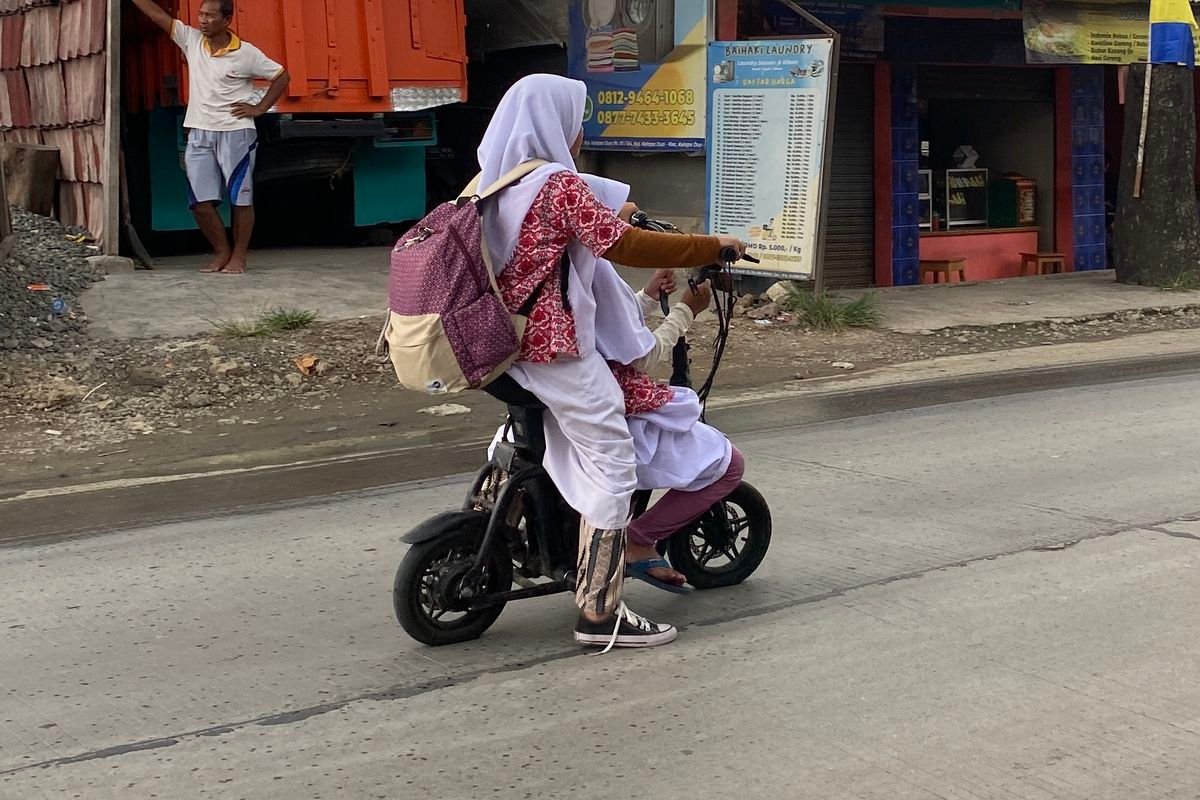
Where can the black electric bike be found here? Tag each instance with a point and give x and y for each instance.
(515, 538)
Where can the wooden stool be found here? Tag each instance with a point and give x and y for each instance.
(943, 266)
(1042, 263)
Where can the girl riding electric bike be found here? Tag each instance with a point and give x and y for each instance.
(515, 528)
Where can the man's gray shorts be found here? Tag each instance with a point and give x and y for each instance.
(220, 164)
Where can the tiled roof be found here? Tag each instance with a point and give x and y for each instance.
(84, 27)
(15, 6)
(11, 29)
(85, 146)
(47, 96)
(40, 44)
(52, 92)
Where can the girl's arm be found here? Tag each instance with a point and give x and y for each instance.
(597, 228)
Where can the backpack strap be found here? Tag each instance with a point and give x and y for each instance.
(487, 264)
(507, 179)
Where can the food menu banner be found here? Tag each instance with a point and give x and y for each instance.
(1095, 32)
(768, 104)
(644, 65)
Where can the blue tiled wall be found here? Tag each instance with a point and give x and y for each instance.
(1087, 167)
(906, 154)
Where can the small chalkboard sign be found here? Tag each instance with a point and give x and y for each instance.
(966, 197)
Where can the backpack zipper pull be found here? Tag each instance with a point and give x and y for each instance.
(423, 233)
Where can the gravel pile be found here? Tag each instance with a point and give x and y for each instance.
(40, 282)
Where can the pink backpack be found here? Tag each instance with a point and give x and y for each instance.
(448, 328)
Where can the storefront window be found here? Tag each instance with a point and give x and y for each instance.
(987, 150)
(987, 162)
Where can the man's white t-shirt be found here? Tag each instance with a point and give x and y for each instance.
(216, 81)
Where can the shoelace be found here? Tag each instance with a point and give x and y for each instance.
(625, 614)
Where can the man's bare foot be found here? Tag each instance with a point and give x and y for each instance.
(218, 264)
(236, 266)
(638, 552)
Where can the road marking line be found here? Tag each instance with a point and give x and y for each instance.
(152, 480)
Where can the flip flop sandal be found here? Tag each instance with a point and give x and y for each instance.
(640, 570)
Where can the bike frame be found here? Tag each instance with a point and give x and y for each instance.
(551, 526)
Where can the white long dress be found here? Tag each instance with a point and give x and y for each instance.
(671, 447)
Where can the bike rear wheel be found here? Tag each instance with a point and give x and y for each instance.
(435, 582)
(727, 544)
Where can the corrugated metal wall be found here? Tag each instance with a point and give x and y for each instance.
(52, 92)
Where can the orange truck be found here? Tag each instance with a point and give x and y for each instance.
(367, 80)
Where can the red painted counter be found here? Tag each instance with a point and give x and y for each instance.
(990, 252)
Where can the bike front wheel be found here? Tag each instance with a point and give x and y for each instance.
(436, 582)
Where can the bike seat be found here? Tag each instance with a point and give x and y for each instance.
(508, 391)
(524, 419)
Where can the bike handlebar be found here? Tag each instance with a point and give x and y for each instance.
(728, 255)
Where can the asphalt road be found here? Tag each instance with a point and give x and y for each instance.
(988, 598)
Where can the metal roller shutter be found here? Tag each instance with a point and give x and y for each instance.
(850, 230)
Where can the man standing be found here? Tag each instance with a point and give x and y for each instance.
(221, 138)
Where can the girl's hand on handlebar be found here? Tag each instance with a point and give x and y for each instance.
(663, 281)
(700, 299)
(733, 244)
(627, 211)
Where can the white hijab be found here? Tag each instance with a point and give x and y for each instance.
(540, 116)
(610, 309)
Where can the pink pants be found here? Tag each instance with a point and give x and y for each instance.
(677, 508)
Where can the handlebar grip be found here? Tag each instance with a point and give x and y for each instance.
(664, 303)
(729, 256)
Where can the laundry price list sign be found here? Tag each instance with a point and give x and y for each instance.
(768, 104)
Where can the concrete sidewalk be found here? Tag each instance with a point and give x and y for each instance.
(912, 309)
(176, 300)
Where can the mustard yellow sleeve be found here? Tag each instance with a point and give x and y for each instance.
(653, 250)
